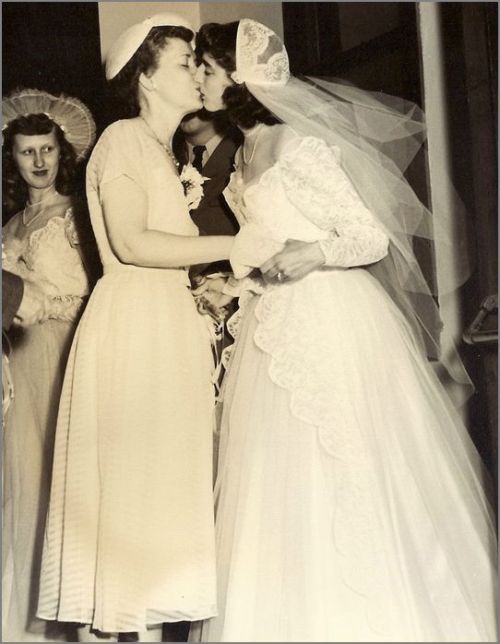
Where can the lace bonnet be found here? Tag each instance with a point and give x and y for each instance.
(132, 38)
(70, 114)
(261, 57)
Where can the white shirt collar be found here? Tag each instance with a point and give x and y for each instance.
(210, 146)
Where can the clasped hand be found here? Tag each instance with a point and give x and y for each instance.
(34, 307)
(296, 260)
(210, 298)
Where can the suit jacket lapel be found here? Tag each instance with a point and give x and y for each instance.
(222, 155)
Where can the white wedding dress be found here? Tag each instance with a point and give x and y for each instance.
(349, 499)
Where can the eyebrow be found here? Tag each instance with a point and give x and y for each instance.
(29, 146)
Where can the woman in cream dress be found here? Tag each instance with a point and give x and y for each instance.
(129, 539)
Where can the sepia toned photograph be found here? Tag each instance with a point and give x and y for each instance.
(249, 321)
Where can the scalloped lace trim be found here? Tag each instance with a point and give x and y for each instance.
(20, 259)
(300, 364)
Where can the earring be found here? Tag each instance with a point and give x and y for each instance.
(147, 82)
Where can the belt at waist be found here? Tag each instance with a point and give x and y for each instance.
(178, 275)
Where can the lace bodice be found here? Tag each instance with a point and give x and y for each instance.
(49, 257)
(307, 196)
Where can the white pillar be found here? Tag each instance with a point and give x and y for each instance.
(442, 194)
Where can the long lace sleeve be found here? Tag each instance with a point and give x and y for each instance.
(316, 184)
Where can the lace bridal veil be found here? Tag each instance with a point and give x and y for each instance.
(378, 137)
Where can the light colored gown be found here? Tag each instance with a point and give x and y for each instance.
(46, 254)
(349, 501)
(129, 538)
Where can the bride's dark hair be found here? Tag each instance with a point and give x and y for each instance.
(123, 88)
(219, 41)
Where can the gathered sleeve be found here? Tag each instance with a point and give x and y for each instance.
(118, 153)
(316, 184)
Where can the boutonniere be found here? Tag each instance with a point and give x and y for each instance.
(192, 182)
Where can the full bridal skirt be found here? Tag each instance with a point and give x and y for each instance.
(350, 504)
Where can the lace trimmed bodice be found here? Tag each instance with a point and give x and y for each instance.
(49, 257)
(307, 196)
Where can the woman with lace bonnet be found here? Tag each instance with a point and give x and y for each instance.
(129, 540)
(349, 498)
(45, 137)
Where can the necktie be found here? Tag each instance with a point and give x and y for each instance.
(198, 151)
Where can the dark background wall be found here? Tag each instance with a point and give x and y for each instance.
(470, 36)
(53, 46)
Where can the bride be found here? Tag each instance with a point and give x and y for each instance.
(349, 500)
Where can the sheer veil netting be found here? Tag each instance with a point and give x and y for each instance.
(378, 136)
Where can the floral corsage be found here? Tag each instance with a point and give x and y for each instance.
(192, 182)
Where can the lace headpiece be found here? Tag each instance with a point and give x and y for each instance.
(261, 57)
(132, 38)
(378, 136)
(70, 114)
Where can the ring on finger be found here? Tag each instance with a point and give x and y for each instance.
(281, 277)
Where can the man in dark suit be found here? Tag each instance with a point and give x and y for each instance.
(209, 142)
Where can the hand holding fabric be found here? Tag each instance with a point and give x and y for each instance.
(214, 282)
(295, 261)
(210, 297)
(253, 246)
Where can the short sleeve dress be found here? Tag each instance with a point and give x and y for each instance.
(129, 537)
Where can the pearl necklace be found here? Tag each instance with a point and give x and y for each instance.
(256, 130)
(165, 146)
(37, 203)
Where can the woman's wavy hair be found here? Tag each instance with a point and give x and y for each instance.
(14, 187)
(124, 87)
(242, 107)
